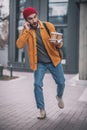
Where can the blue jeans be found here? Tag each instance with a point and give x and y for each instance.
(58, 76)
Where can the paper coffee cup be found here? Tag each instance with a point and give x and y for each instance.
(59, 36)
(54, 35)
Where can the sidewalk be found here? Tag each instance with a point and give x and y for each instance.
(18, 109)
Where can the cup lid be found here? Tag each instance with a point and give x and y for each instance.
(60, 34)
(56, 33)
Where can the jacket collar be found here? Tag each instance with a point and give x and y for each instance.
(41, 24)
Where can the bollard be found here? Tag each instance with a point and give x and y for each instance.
(1, 70)
(11, 70)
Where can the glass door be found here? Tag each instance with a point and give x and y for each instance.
(20, 53)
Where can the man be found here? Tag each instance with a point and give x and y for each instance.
(43, 55)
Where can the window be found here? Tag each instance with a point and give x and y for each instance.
(58, 16)
(20, 53)
(58, 11)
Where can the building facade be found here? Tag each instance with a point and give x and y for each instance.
(64, 14)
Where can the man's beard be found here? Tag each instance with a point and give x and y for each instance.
(34, 25)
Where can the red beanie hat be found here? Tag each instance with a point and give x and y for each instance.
(28, 11)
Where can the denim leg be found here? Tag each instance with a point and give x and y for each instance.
(38, 85)
(58, 76)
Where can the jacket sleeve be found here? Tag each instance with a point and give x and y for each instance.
(22, 39)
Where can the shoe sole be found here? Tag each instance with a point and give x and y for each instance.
(41, 118)
(60, 106)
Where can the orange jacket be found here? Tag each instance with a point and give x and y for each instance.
(29, 37)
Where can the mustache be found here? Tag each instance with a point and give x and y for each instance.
(35, 23)
(34, 26)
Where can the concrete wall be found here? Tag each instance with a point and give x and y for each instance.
(4, 56)
(73, 38)
(83, 42)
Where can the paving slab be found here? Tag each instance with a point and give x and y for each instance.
(18, 108)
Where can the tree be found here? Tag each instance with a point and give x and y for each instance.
(4, 21)
(3, 33)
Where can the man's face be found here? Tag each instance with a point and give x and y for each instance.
(33, 20)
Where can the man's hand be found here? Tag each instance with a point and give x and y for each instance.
(56, 41)
(27, 26)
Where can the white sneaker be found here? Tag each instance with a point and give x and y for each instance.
(42, 114)
(60, 102)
